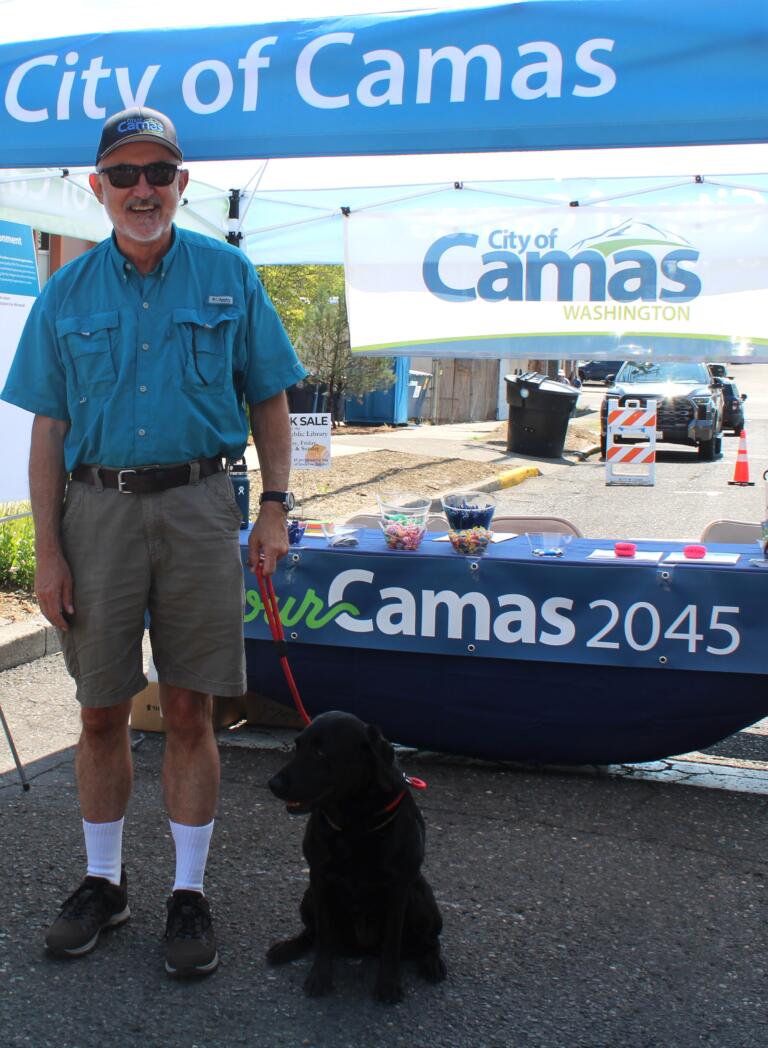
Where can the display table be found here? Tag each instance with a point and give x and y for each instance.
(583, 658)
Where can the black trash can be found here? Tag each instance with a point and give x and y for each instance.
(539, 410)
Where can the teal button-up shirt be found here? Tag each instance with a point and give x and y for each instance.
(157, 368)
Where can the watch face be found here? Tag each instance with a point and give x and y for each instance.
(289, 501)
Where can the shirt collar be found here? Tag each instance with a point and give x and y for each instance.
(124, 266)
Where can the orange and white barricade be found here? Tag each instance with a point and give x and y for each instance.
(634, 418)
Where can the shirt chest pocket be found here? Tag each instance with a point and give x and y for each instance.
(206, 340)
(90, 342)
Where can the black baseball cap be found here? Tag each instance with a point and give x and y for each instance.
(138, 124)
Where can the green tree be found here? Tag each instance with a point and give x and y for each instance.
(312, 305)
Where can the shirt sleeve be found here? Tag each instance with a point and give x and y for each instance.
(37, 380)
(271, 363)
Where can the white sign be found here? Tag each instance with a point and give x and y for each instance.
(659, 281)
(311, 440)
(18, 289)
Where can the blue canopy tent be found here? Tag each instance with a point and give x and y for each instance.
(290, 127)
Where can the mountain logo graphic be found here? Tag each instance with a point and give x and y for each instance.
(628, 235)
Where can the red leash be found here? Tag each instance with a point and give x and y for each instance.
(269, 600)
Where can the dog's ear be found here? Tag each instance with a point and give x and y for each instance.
(383, 753)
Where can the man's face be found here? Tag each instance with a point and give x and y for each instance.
(141, 214)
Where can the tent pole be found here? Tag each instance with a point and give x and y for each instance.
(234, 236)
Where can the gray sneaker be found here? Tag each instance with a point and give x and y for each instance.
(97, 904)
(190, 943)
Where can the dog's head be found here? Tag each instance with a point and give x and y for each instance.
(336, 757)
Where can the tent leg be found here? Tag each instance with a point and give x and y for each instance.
(9, 737)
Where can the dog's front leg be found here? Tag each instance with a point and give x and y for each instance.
(388, 988)
(320, 979)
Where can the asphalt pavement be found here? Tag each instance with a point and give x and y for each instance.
(580, 911)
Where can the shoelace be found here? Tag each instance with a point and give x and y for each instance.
(84, 897)
(187, 920)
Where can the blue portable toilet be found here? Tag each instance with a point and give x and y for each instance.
(384, 406)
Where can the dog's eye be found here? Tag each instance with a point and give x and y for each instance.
(320, 752)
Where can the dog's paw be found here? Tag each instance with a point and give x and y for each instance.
(319, 982)
(289, 949)
(388, 990)
(433, 967)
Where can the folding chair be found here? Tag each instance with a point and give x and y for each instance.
(520, 525)
(731, 531)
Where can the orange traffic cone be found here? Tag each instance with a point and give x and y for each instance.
(741, 472)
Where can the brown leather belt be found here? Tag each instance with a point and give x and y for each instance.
(147, 480)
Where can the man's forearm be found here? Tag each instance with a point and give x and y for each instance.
(46, 480)
(272, 436)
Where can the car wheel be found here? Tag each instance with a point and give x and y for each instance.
(707, 450)
(737, 431)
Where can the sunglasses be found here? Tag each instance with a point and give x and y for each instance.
(123, 176)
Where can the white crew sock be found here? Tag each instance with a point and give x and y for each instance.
(104, 848)
(191, 854)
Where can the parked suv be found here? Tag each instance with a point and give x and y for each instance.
(599, 371)
(689, 407)
(733, 407)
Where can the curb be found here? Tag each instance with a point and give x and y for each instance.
(25, 641)
(508, 479)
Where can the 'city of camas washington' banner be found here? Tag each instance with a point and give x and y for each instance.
(624, 281)
(554, 74)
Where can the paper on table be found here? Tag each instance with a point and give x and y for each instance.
(708, 558)
(496, 536)
(647, 555)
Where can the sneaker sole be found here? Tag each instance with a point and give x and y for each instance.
(78, 951)
(200, 969)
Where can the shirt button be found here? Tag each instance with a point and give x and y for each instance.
(145, 346)
(145, 305)
(142, 433)
(142, 389)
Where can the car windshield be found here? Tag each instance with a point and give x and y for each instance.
(663, 371)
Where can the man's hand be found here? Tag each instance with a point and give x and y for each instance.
(268, 541)
(53, 588)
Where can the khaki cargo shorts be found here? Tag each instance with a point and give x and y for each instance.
(175, 554)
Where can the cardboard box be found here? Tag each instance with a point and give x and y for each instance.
(146, 715)
(267, 713)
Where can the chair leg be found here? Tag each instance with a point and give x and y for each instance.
(9, 737)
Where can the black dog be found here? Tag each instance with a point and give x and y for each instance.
(364, 844)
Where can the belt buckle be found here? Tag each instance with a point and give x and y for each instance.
(120, 482)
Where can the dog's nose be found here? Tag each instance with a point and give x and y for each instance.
(278, 784)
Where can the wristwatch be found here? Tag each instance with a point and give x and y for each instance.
(285, 498)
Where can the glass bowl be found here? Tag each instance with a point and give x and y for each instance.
(403, 507)
(403, 534)
(471, 541)
(469, 509)
(341, 535)
(547, 543)
(296, 529)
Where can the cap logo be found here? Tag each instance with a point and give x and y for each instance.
(140, 125)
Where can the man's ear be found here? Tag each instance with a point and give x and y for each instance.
(183, 180)
(94, 182)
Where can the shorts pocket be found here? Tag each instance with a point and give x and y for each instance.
(219, 489)
(72, 500)
(88, 341)
(206, 339)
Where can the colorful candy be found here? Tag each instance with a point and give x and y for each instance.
(470, 540)
(296, 529)
(402, 535)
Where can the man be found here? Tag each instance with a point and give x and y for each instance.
(137, 361)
